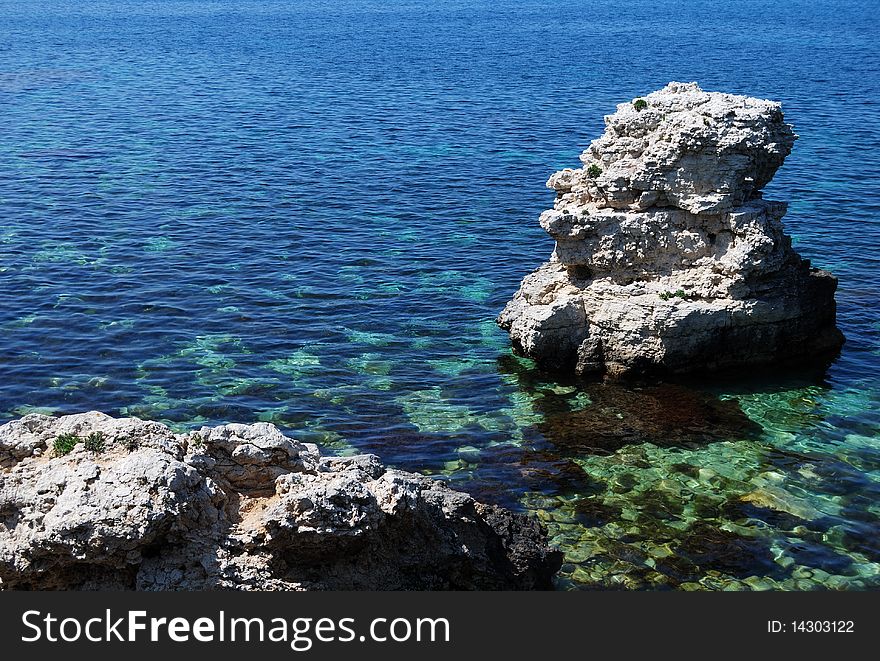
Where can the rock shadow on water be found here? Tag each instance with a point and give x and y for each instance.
(746, 512)
(594, 513)
(540, 471)
(861, 534)
(819, 556)
(397, 443)
(667, 415)
(705, 547)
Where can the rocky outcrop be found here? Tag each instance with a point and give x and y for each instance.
(667, 258)
(92, 502)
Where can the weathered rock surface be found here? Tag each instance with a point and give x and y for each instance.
(240, 507)
(667, 258)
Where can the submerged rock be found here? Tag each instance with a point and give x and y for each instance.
(667, 258)
(239, 507)
(780, 500)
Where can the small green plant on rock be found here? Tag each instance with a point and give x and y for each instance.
(196, 440)
(679, 293)
(64, 443)
(640, 105)
(130, 443)
(95, 442)
(594, 171)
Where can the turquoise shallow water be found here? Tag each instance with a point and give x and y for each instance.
(311, 212)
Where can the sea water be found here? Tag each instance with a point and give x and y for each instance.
(310, 213)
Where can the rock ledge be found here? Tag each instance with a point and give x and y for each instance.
(240, 507)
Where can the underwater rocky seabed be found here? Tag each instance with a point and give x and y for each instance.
(143, 277)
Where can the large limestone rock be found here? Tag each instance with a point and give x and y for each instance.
(240, 507)
(667, 258)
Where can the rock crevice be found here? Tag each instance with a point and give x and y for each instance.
(667, 258)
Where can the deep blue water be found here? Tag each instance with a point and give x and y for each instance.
(311, 212)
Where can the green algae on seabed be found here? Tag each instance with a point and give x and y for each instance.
(298, 364)
(688, 518)
(706, 512)
(337, 395)
(745, 515)
(61, 253)
(783, 410)
(420, 343)
(370, 363)
(20, 411)
(314, 432)
(159, 244)
(211, 351)
(370, 338)
(492, 336)
(522, 412)
(454, 367)
(431, 413)
(466, 286)
(275, 415)
(379, 383)
(233, 386)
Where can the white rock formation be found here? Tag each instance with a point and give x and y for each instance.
(667, 258)
(240, 507)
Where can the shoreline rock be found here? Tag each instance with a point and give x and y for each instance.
(667, 259)
(135, 506)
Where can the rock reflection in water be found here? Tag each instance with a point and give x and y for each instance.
(666, 415)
